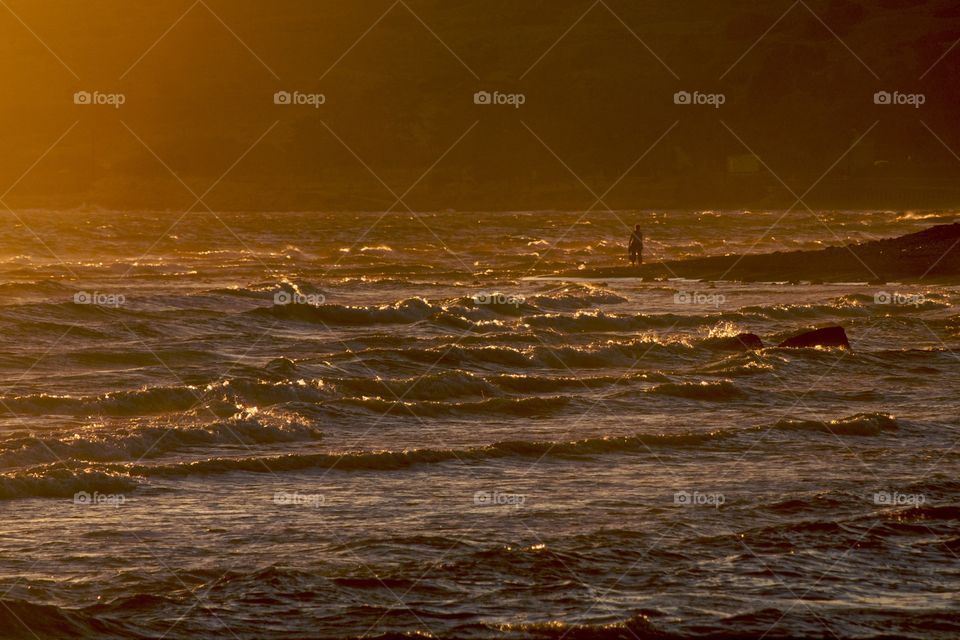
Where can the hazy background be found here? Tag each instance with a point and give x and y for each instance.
(202, 94)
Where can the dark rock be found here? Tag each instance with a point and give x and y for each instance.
(825, 337)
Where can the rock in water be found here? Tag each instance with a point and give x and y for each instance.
(739, 342)
(825, 337)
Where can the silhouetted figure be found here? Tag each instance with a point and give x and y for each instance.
(636, 246)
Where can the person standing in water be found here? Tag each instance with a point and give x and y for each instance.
(636, 246)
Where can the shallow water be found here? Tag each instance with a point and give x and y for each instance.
(260, 425)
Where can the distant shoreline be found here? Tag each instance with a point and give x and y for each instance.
(931, 255)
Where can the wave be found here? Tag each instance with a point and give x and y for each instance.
(704, 390)
(222, 398)
(861, 424)
(463, 322)
(807, 311)
(574, 297)
(445, 385)
(624, 352)
(99, 443)
(439, 391)
(122, 403)
(609, 353)
(522, 407)
(598, 321)
(21, 619)
(406, 311)
(458, 355)
(741, 364)
(358, 461)
(484, 304)
(460, 311)
(544, 384)
(35, 288)
(396, 460)
(404, 283)
(268, 290)
(450, 385)
(853, 306)
(464, 312)
(58, 480)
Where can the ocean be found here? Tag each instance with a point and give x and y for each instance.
(342, 425)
